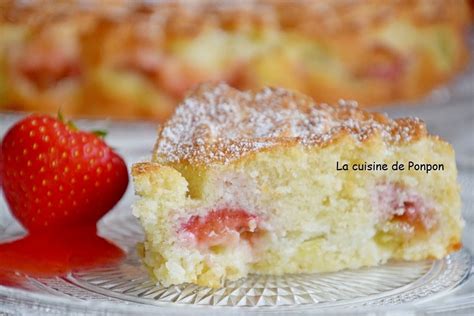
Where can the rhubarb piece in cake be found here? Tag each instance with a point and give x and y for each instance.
(244, 182)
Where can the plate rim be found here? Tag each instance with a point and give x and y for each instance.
(42, 302)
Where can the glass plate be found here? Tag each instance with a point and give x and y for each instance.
(127, 283)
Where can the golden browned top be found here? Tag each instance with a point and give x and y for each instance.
(217, 123)
(313, 17)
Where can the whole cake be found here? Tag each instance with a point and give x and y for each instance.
(244, 182)
(131, 59)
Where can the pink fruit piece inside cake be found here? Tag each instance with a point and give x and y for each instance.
(223, 227)
(408, 209)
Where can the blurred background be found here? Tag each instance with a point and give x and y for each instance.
(135, 59)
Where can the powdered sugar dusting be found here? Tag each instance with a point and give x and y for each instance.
(217, 123)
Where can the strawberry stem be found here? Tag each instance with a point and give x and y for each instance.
(69, 123)
(60, 115)
(99, 133)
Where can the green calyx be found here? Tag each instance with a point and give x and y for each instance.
(101, 133)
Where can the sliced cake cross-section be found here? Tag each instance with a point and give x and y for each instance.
(244, 182)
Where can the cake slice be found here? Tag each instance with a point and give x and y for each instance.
(244, 182)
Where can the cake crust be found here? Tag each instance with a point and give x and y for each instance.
(219, 124)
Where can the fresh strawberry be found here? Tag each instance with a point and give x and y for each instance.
(221, 226)
(1, 167)
(55, 175)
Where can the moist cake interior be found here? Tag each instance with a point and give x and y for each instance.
(244, 182)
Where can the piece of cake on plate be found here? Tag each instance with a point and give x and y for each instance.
(244, 182)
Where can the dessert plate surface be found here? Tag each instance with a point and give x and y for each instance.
(127, 284)
(392, 283)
